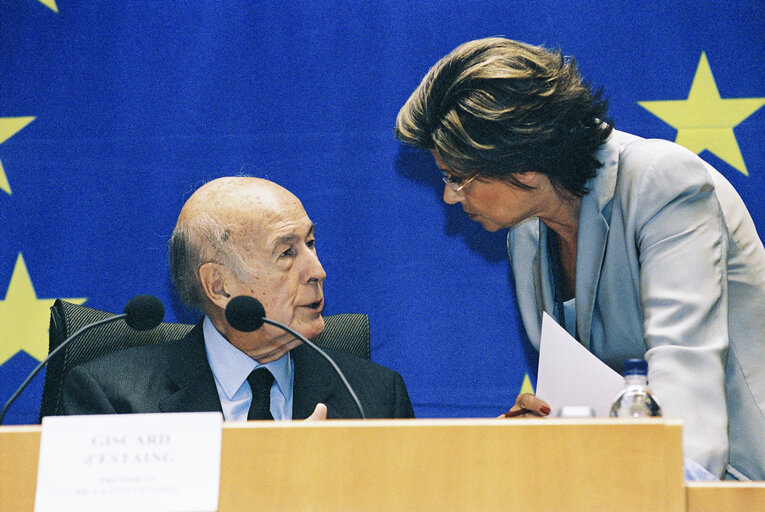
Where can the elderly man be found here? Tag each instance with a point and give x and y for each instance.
(240, 236)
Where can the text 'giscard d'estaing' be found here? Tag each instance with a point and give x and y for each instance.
(137, 462)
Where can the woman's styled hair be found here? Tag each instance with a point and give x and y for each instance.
(497, 107)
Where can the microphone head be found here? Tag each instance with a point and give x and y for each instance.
(144, 312)
(245, 313)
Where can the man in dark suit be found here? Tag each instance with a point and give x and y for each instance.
(240, 236)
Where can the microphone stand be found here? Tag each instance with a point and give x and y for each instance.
(49, 356)
(324, 354)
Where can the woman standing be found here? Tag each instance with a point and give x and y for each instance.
(637, 247)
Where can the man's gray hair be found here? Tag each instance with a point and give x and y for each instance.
(201, 239)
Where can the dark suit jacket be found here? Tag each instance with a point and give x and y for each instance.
(175, 377)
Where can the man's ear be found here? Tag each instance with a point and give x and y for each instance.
(213, 278)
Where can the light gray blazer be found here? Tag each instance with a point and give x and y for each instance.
(669, 268)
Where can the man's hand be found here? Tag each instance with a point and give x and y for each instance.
(318, 414)
(527, 405)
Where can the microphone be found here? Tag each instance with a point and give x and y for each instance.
(247, 314)
(142, 313)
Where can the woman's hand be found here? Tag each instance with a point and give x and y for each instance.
(527, 405)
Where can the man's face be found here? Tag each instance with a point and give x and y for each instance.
(287, 277)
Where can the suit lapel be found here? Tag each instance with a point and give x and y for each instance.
(311, 384)
(543, 273)
(315, 381)
(594, 217)
(193, 377)
(590, 250)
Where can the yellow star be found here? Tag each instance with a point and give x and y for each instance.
(9, 126)
(704, 120)
(526, 386)
(24, 318)
(51, 4)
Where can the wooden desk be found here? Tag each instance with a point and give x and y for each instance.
(534, 465)
(725, 496)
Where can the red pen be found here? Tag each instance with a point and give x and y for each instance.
(517, 412)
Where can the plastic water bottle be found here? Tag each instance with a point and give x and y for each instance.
(635, 399)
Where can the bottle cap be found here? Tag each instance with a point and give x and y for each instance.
(635, 367)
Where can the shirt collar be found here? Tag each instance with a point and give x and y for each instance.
(231, 366)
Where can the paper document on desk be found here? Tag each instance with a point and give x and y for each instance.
(157, 462)
(570, 375)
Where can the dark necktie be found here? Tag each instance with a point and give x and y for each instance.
(260, 382)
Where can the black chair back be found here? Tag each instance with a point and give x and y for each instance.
(347, 332)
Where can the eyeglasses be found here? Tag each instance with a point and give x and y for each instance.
(456, 183)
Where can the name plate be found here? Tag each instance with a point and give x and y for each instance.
(137, 462)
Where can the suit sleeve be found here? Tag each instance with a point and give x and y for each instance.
(682, 241)
(402, 405)
(82, 394)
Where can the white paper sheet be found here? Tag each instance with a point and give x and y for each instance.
(569, 375)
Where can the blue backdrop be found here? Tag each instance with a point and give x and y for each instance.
(113, 112)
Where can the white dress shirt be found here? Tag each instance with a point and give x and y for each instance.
(231, 367)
